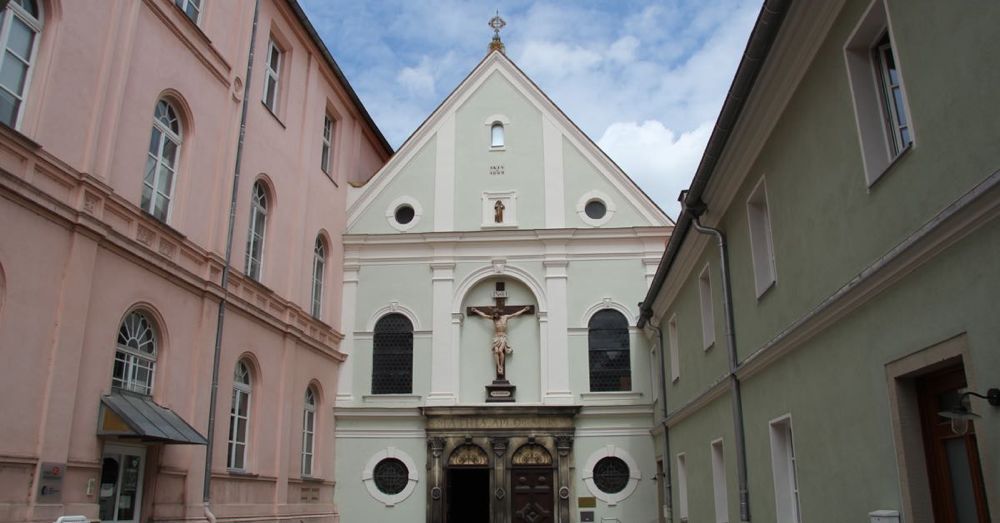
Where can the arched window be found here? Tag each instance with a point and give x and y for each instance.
(135, 359)
(610, 361)
(21, 27)
(258, 225)
(392, 355)
(161, 161)
(496, 135)
(319, 268)
(308, 432)
(239, 417)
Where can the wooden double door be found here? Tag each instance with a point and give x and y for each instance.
(532, 495)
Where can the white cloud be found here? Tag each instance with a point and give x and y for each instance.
(659, 160)
(418, 80)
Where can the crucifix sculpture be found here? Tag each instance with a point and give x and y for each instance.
(500, 314)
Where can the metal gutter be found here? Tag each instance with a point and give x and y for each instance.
(765, 30)
(318, 42)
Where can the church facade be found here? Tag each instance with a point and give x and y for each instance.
(491, 274)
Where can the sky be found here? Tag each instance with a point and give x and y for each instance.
(644, 79)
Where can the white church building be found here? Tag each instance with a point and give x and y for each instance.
(540, 413)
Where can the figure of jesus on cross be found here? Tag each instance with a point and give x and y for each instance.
(500, 314)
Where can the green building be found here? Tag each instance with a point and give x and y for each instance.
(852, 181)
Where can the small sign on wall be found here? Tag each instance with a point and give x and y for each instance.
(586, 502)
(50, 482)
(586, 516)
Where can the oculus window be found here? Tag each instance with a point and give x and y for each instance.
(404, 214)
(609, 354)
(595, 209)
(611, 474)
(391, 476)
(392, 355)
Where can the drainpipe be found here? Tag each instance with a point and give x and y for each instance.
(207, 484)
(667, 490)
(696, 211)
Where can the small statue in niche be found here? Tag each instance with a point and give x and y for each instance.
(498, 211)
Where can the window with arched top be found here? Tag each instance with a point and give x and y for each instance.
(496, 135)
(135, 357)
(392, 355)
(308, 431)
(258, 226)
(21, 30)
(319, 268)
(610, 358)
(161, 161)
(239, 417)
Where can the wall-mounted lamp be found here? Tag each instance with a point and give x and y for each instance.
(961, 414)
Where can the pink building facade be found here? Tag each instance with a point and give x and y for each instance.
(117, 167)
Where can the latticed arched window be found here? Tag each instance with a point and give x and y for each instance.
(496, 135)
(21, 28)
(135, 358)
(308, 431)
(610, 362)
(161, 161)
(239, 417)
(319, 267)
(258, 226)
(392, 355)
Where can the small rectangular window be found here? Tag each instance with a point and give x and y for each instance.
(328, 127)
(675, 368)
(682, 486)
(786, 484)
(719, 487)
(761, 243)
(707, 308)
(191, 8)
(893, 108)
(272, 75)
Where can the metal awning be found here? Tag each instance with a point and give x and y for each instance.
(129, 415)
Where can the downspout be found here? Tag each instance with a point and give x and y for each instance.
(207, 484)
(668, 499)
(696, 211)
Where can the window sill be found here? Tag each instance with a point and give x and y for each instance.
(312, 479)
(610, 396)
(498, 149)
(707, 347)
(330, 177)
(240, 473)
(763, 293)
(275, 116)
(391, 398)
(892, 164)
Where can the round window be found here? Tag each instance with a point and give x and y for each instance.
(611, 475)
(404, 214)
(595, 209)
(391, 476)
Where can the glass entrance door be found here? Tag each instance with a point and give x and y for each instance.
(120, 495)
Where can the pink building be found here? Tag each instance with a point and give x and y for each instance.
(117, 167)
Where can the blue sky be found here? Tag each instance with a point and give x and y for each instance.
(644, 79)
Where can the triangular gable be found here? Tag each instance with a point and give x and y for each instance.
(360, 199)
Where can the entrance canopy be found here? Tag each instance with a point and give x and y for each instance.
(130, 415)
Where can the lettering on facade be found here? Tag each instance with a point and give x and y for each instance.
(498, 423)
(496, 170)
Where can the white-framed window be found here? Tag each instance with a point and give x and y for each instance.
(272, 75)
(308, 432)
(319, 269)
(258, 227)
(786, 483)
(761, 243)
(611, 474)
(719, 488)
(135, 357)
(390, 476)
(19, 32)
(675, 352)
(191, 8)
(880, 107)
(707, 307)
(160, 176)
(682, 486)
(496, 135)
(329, 126)
(239, 418)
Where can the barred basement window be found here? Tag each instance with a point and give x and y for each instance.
(392, 355)
(610, 361)
(611, 474)
(391, 476)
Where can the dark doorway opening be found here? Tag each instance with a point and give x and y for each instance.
(468, 495)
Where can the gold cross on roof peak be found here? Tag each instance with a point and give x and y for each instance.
(497, 24)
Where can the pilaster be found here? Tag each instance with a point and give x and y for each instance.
(555, 359)
(349, 298)
(445, 332)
